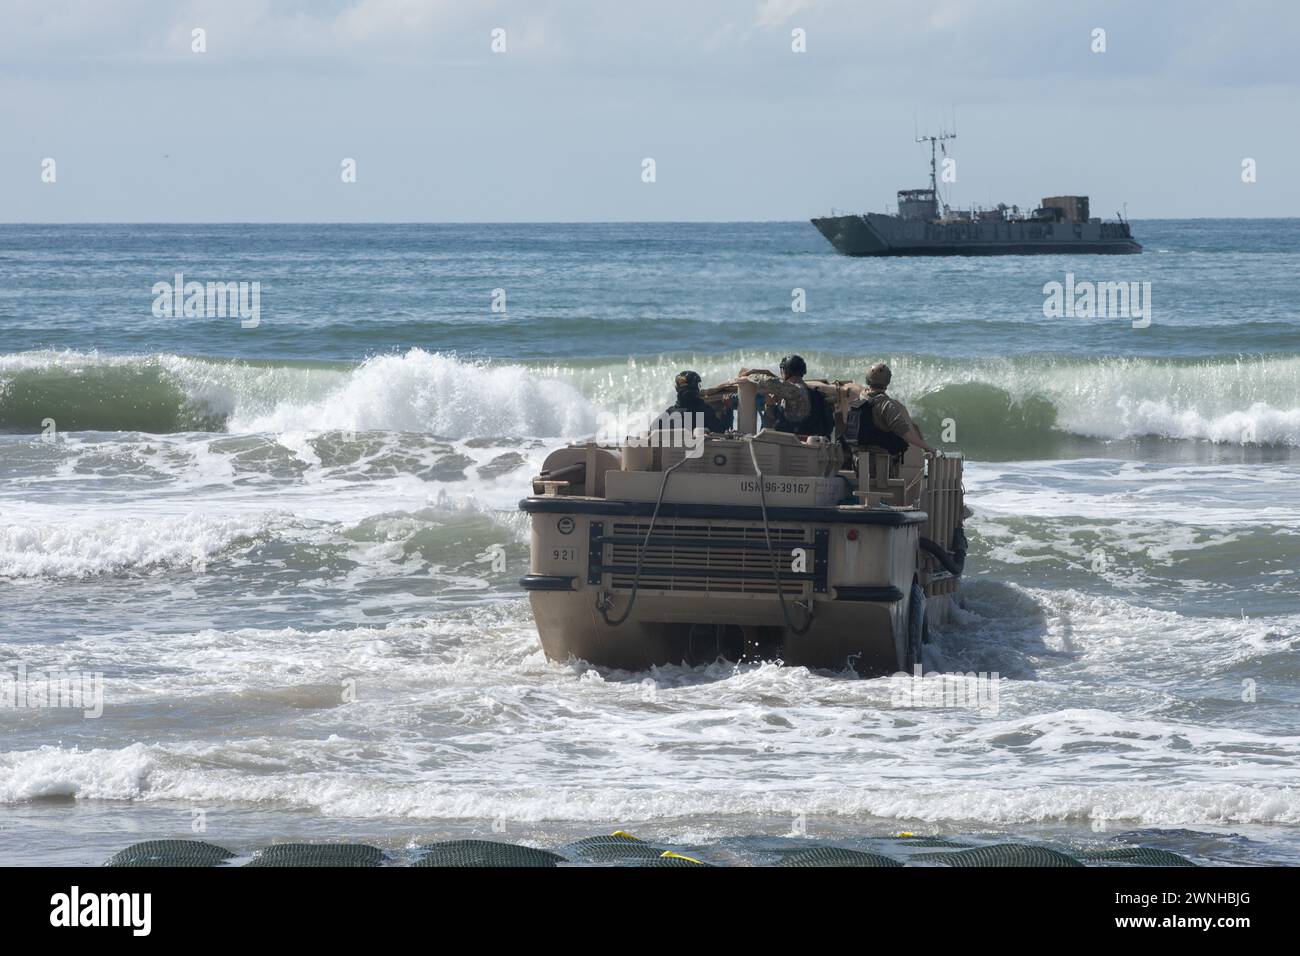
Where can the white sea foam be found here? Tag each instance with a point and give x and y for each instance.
(503, 733)
(1244, 400)
(1149, 494)
(161, 773)
(1110, 709)
(435, 393)
(47, 542)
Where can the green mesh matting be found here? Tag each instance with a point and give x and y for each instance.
(319, 854)
(1002, 854)
(622, 849)
(171, 853)
(675, 861)
(932, 842)
(483, 853)
(613, 852)
(611, 849)
(1137, 855)
(836, 856)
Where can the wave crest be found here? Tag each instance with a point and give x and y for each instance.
(1024, 405)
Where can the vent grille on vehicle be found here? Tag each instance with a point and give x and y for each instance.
(704, 557)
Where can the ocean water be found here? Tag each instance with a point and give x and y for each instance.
(276, 544)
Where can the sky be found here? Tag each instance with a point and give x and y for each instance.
(256, 128)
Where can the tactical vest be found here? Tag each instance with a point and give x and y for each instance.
(820, 420)
(821, 416)
(860, 427)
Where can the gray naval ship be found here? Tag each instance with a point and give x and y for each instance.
(923, 228)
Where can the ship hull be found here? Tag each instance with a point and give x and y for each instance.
(874, 234)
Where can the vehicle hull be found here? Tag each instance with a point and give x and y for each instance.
(706, 590)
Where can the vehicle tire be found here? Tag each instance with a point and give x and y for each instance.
(918, 629)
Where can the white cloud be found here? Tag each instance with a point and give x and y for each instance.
(740, 127)
(773, 13)
(390, 19)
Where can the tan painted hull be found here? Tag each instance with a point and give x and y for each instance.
(700, 617)
(653, 555)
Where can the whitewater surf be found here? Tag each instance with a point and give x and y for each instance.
(291, 553)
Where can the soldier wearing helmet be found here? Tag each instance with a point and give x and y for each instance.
(787, 402)
(878, 420)
(691, 411)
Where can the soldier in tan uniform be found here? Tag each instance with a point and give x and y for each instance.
(883, 421)
(788, 391)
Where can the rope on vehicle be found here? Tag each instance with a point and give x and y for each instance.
(601, 605)
(767, 535)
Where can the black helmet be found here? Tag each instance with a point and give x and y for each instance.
(794, 365)
(688, 381)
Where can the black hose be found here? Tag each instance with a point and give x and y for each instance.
(959, 546)
(952, 563)
(562, 474)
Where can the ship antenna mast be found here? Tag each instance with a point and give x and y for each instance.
(934, 141)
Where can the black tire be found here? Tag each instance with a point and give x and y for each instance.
(918, 629)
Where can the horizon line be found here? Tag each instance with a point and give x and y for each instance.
(526, 222)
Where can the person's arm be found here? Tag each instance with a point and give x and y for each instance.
(793, 398)
(721, 393)
(900, 423)
(913, 437)
(718, 414)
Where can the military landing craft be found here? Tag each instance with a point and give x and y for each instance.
(925, 227)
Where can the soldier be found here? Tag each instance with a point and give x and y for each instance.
(876, 419)
(819, 419)
(691, 411)
(787, 403)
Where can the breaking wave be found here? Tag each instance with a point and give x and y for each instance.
(1022, 406)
